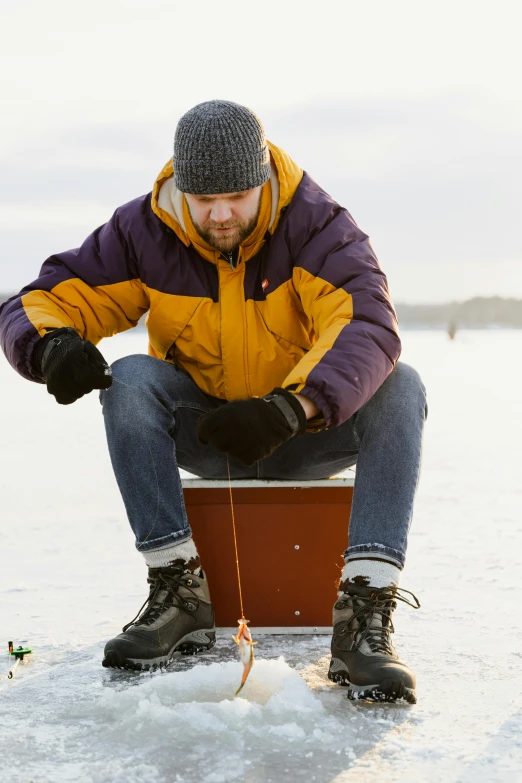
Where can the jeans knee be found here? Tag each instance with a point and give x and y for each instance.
(130, 374)
(131, 368)
(408, 385)
(408, 378)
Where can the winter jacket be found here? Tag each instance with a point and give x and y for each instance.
(306, 307)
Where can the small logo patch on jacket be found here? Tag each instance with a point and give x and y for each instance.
(264, 284)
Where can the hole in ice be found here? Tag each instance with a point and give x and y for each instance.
(204, 698)
(218, 682)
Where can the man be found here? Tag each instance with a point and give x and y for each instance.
(273, 350)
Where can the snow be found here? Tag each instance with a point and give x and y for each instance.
(70, 578)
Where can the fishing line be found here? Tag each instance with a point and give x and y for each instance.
(235, 542)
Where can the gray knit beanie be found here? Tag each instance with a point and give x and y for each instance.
(220, 147)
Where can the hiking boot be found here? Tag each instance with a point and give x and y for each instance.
(176, 617)
(363, 656)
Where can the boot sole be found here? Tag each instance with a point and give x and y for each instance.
(385, 691)
(191, 644)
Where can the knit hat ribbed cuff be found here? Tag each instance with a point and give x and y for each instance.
(198, 177)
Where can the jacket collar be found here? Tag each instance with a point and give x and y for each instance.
(169, 204)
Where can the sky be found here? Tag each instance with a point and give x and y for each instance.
(408, 113)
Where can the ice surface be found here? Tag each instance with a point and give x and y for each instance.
(70, 578)
(76, 722)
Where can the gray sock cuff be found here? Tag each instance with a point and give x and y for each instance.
(159, 558)
(371, 573)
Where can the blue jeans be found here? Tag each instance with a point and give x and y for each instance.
(151, 413)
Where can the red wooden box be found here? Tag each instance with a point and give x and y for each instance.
(291, 537)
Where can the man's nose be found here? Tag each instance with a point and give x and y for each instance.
(220, 212)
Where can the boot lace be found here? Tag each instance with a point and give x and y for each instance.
(381, 601)
(163, 593)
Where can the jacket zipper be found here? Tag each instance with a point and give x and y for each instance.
(230, 258)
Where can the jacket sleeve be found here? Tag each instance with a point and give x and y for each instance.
(345, 294)
(94, 289)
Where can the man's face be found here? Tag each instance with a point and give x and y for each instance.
(225, 220)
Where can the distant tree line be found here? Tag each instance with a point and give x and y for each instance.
(471, 314)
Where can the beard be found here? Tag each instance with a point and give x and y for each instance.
(227, 243)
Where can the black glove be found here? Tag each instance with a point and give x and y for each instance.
(71, 366)
(253, 429)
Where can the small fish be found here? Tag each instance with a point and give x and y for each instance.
(246, 650)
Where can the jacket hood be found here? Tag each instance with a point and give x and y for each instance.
(169, 204)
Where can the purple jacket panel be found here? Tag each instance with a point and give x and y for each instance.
(330, 245)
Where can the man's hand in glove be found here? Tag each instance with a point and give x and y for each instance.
(71, 366)
(253, 429)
